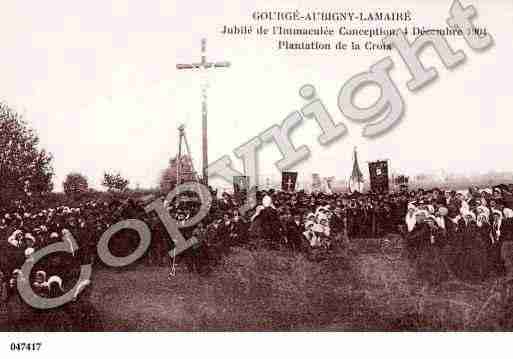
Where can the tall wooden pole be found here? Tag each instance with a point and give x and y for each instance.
(204, 124)
(204, 65)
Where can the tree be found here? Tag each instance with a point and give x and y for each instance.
(24, 168)
(168, 178)
(114, 182)
(75, 184)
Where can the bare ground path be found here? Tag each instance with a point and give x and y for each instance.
(356, 288)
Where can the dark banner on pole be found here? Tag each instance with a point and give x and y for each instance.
(240, 184)
(288, 181)
(378, 172)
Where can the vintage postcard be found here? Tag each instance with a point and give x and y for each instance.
(260, 166)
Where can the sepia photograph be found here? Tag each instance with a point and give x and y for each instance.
(254, 167)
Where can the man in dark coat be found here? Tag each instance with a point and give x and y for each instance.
(337, 223)
(294, 232)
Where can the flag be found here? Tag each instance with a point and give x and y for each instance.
(240, 183)
(378, 172)
(288, 181)
(356, 179)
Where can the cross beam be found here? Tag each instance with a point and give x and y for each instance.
(203, 65)
(289, 184)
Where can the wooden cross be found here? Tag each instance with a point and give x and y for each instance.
(203, 65)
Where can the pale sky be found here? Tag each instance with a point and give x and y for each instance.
(98, 82)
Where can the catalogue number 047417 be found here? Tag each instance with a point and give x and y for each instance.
(26, 347)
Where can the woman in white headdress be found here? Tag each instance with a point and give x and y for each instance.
(464, 207)
(68, 238)
(482, 209)
(410, 218)
(440, 218)
(29, 252)
(508, 212)
(16, 238)
(49, 288)
(483, 222)
(267, 201)
(311, 235)
(418, 238)
(469, 217)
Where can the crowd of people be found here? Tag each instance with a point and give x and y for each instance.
(446, 233)
(466, 234)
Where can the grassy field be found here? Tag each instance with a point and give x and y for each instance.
(355, 289)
